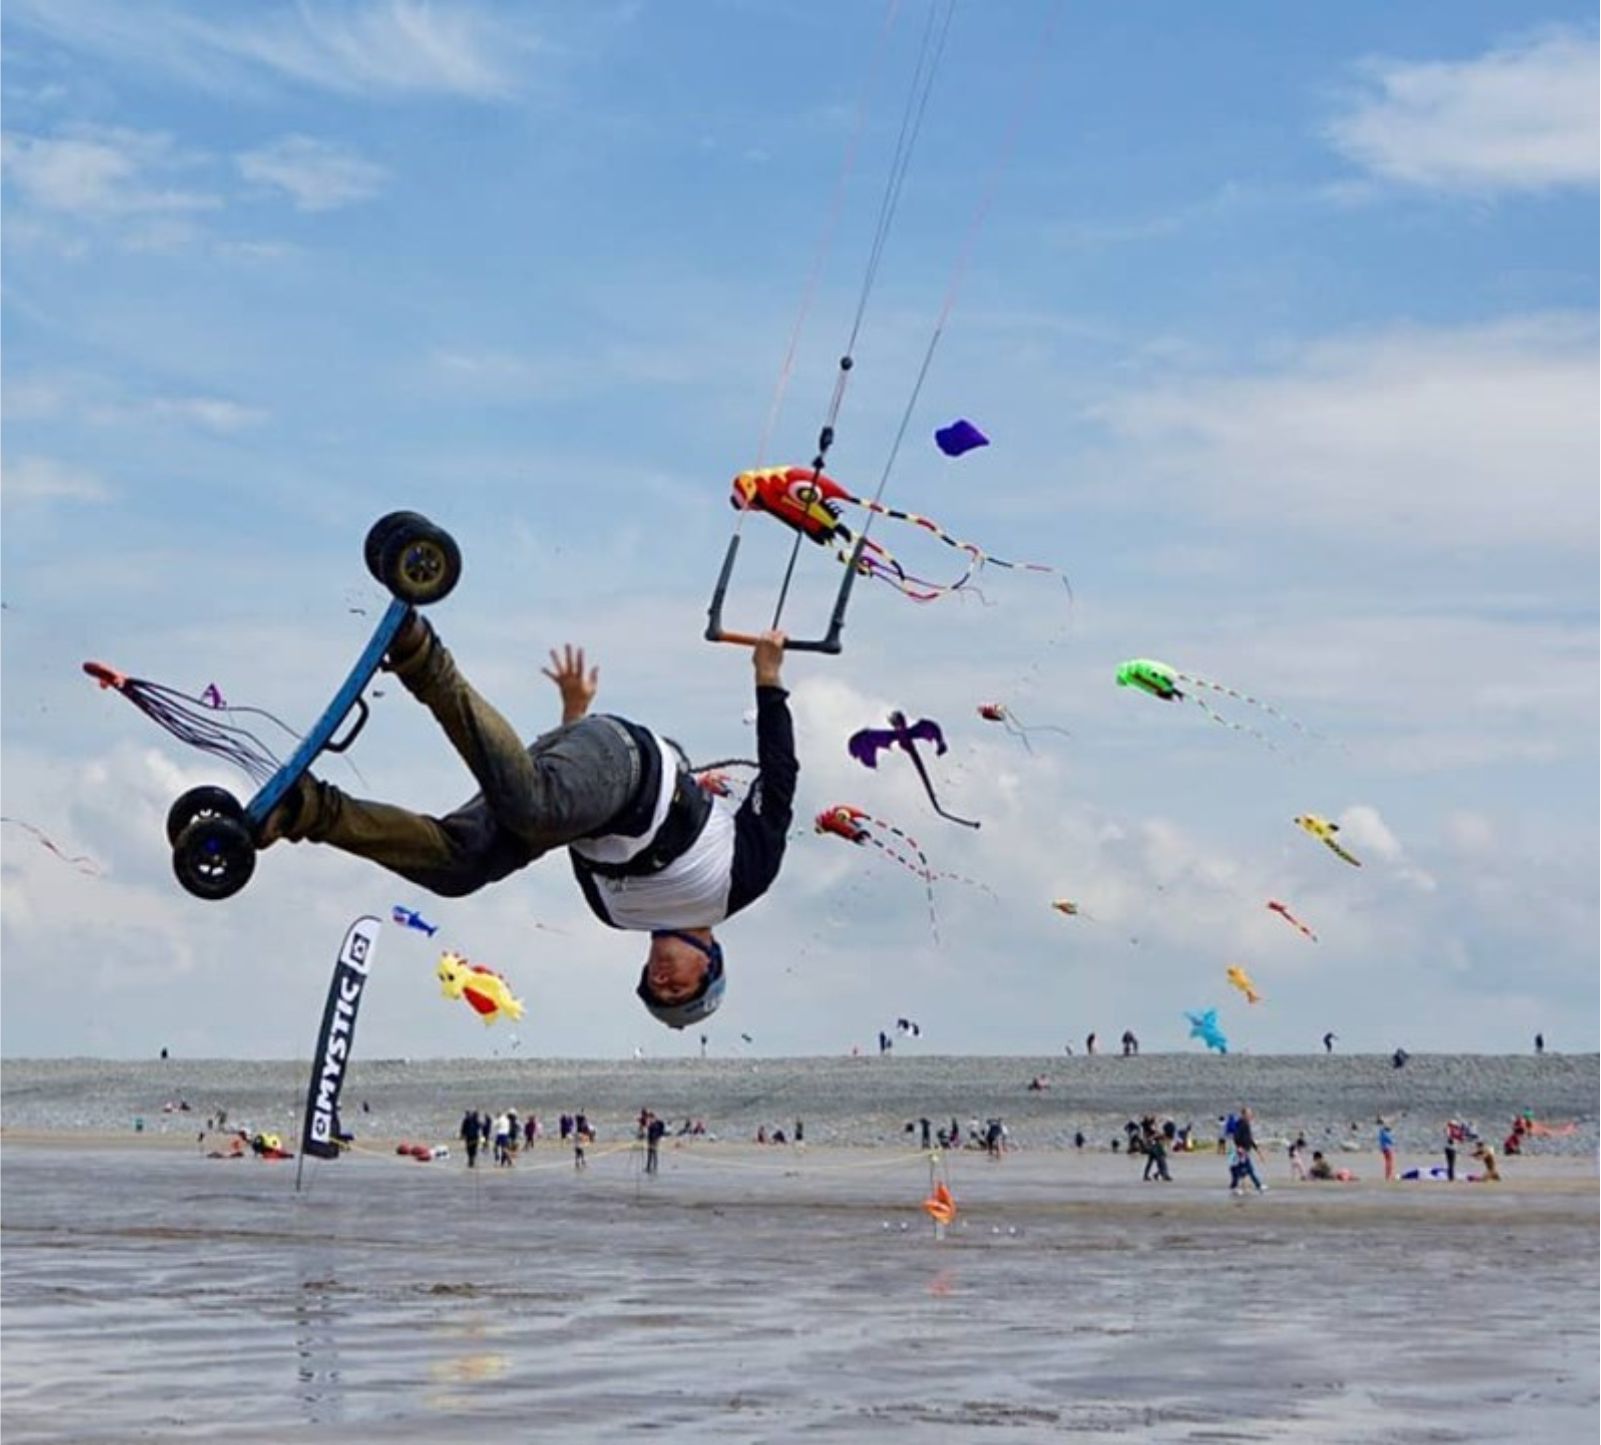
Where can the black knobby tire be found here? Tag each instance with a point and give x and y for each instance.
(203, 802)
(214, 857)
(421, 563)
(381, 531)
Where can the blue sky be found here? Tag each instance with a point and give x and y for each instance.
(1283, 324)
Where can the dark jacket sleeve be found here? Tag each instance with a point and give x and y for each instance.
(761, 826)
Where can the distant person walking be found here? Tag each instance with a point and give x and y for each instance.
(1539, 1043)
(1387, 1149)
(653, 1137)
(1131, 1045)
(1328, 1043)
(469, 1137)
(1245, 1147)
(1089, 1044)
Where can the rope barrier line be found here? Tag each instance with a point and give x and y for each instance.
(936, 1159)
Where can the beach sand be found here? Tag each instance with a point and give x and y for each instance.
(770, 1294)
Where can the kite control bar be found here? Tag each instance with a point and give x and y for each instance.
(828, 643)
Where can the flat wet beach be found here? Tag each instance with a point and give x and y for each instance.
(749, 1293)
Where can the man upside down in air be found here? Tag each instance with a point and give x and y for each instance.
(651, 849)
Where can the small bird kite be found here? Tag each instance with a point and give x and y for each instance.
(1284, 913)
(1324, 831)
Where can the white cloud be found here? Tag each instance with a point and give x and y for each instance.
(384, 47)
(99, 401)
(43, 479)
(209, 413)
(1483, 435)
(317, 176)
(1520, 118)
(101, 173)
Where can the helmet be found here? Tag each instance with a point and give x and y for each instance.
(705, 1001)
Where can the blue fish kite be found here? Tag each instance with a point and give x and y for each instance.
(414, 920)
(1204, 1026)
(959, 437)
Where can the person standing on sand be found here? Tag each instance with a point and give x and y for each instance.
(1089, 1044)
(1539, 1043)
(1387, 1149)
(469, 1137)
(1244, 1147)
(1450, 1154)
(1297, 1150)
(1328, 1042)
(1156, 1156)
(653, 1137)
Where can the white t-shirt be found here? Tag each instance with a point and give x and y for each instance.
(691, 891)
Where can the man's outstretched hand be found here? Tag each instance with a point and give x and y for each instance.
(769, 657)
(576, 686)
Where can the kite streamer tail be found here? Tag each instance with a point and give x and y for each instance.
(195, 722)
(1229, 723)
(920, 868)
(81, 861)
(1250, 701)
(1039, 728)
(928, 787)
(922, 589)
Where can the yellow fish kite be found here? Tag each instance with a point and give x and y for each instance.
(1324, 831)
(1242, 981)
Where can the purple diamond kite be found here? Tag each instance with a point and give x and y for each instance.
(959, 437)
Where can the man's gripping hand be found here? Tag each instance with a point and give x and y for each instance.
(577, 687)
(768, 657)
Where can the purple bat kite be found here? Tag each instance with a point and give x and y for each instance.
(959, 437)
(867, 744)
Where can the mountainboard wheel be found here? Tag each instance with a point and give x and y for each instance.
(214, 857)
(420, 563)
(202, 802)
(380, 532)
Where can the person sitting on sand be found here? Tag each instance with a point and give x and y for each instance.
(1321, 1168)
(1485, 1154)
